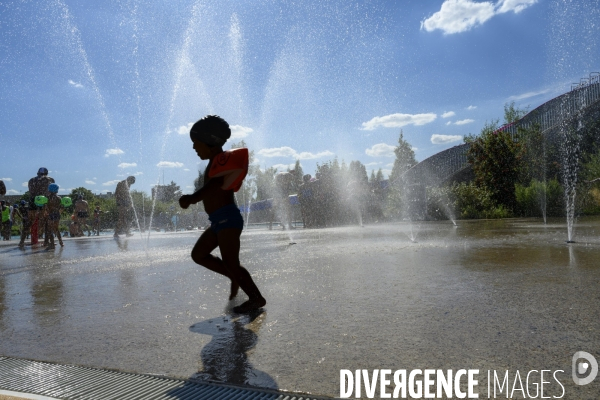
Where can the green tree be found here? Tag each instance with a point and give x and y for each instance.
(167, 193)
(405, 158)
(299, 174)
(86, 193)
(513, 113)
(495, 158)
(265, 182)
(358, 172)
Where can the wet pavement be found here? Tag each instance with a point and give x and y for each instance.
(488, 295)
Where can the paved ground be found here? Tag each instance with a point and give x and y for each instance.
(488, 295)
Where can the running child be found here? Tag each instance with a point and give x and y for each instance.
(223, 176)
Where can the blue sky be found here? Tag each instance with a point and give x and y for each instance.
(97, 92)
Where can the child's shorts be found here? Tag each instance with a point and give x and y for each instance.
(228, 216)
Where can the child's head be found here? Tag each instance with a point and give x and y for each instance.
(211, 130)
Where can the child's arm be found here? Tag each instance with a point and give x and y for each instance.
(187, 199)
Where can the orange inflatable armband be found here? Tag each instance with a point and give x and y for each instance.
(233, 166)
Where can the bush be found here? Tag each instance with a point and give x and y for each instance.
(533, 199)
(471, 201)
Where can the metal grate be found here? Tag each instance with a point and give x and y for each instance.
(73, 382)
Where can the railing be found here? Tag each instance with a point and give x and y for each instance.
(443, 165)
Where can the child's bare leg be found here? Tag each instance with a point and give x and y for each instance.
(201, 255)
(229, 244)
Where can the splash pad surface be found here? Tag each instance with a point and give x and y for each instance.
(484, 295)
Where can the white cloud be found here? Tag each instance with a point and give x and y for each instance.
(283, 167)
(448, 114)
(457, 16)
(398, 121)
(471, 107)
(138, 173)
(278, 152)
(90, 182)
(11, 191)
(240, 132)
(464, 121)
(75, 84)
(111, 183)
(113, 152)
(286, 151)
(528, 95)
(127, 165)
(185, 129)
(372, 164)
(381, 150)
(169, 164)
(186, 169)
(305, 155)
(6, 179)
(449, 123)
(25, 184)
(445, 139)
(517, 6)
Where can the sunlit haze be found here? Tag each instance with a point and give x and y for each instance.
(97, 91)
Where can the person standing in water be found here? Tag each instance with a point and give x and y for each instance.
(23, 213)
(223, 176)
(52, 217)
(96, 221)
(82, 212)
(38, 186)
(124, 206)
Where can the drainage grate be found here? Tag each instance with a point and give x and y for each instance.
(72, 382)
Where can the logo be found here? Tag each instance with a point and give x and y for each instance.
(223, 158)
(582, 368)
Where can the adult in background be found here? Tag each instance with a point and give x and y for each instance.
(305, 196)
(23, 213)
(5, 211)
(38, 186)
(2, 188)
(96, 221)
(82, 213)
(284, 184)
(124, 206)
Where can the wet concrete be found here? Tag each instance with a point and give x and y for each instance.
(488, 295)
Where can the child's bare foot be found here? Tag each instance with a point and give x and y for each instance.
(250, 305)
(234, 290)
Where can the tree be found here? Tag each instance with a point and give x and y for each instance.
(166, 193)
(86, 193)
(495, 157)
(512, 113)
(265, 183)
(299, 174)
(405, 158)
(358, 172)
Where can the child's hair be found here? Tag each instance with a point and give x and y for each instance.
(211, 130)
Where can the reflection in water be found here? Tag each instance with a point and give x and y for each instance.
(572, 260)
(2, 301)
(47, 293)
(123, 244)
(225, 358)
